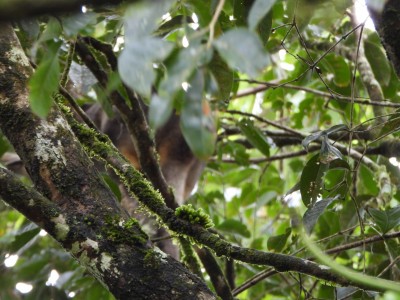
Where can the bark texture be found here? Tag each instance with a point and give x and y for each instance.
(71, 201)
(387, 23)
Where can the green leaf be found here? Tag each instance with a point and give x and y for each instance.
(392, 125)
(234, 227)
(160, 110)
(52, 30)
(44, 82)
(180, 68)
(377, 59)
(328, 152)
(142, 18)
(135, 64)
(312, 214)
(197, 123)
(4, 146)
(339, 164)
(336, 128)
(257, 12)
(243, 50)
(311, 180)
(311, 138)
(387, 219)
(223, 75)
(76, 23)
(16, 240)
(254, 136)
(175, 23)
(264, 28)
(316, 135)
(277, 243)
(112, 185)
(33, 267)
(340, 69)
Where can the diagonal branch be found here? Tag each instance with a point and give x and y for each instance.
(84, 215)
(153, 201)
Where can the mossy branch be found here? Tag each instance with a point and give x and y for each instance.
(100, 146)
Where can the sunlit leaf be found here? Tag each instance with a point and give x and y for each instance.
(258, 10)
(135, 64)
(52, 30)
(243, 50)
(181, 67)
(142, 18)
(76, 23)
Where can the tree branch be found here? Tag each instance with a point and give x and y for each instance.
(347, 99)
(20, 9)
(143, 191)
(88, 221)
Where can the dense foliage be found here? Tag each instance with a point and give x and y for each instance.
(292, 104)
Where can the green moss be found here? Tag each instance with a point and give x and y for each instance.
(152, 259)
(189, 258)
(131, 223)
(124, 232)
(194, 216)
(99, 145)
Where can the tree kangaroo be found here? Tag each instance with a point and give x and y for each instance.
(181, 169)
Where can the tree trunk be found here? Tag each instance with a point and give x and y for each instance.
(71, 201)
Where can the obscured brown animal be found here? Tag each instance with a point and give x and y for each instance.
(181, 169)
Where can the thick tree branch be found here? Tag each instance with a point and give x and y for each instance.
(28, 201)
(88, 221)
(269, 272)
(153, 201)
(217, 277)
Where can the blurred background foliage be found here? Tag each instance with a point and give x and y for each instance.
(260, 77)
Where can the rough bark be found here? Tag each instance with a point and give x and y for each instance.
(71, 201)
(387, 23)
